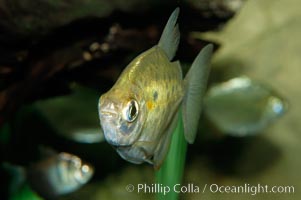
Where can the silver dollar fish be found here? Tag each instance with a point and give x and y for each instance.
(242, 106)
(139, 113)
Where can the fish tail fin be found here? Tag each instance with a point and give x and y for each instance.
(170, 37)
(195, 85)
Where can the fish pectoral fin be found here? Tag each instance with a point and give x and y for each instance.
(164, 143)
(146, 147)
(195, 85)
(170, 37)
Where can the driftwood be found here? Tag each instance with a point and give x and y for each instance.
(42, 50)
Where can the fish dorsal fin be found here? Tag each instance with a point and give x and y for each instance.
(195, 85)
(170, 37)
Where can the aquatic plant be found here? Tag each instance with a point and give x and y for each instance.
(171, 172)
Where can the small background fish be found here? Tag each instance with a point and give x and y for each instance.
(56, 175)
(83, 127)
(242, 106)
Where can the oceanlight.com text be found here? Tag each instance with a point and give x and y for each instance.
(212, 188)
(249, 189)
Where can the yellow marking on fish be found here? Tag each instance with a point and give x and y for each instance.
(149, 105)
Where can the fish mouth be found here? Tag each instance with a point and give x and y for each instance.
(107, 108)
(105, 113)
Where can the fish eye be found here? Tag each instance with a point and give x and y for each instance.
(131, 111)
(85, 169)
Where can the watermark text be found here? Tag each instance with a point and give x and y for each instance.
(212, 188)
